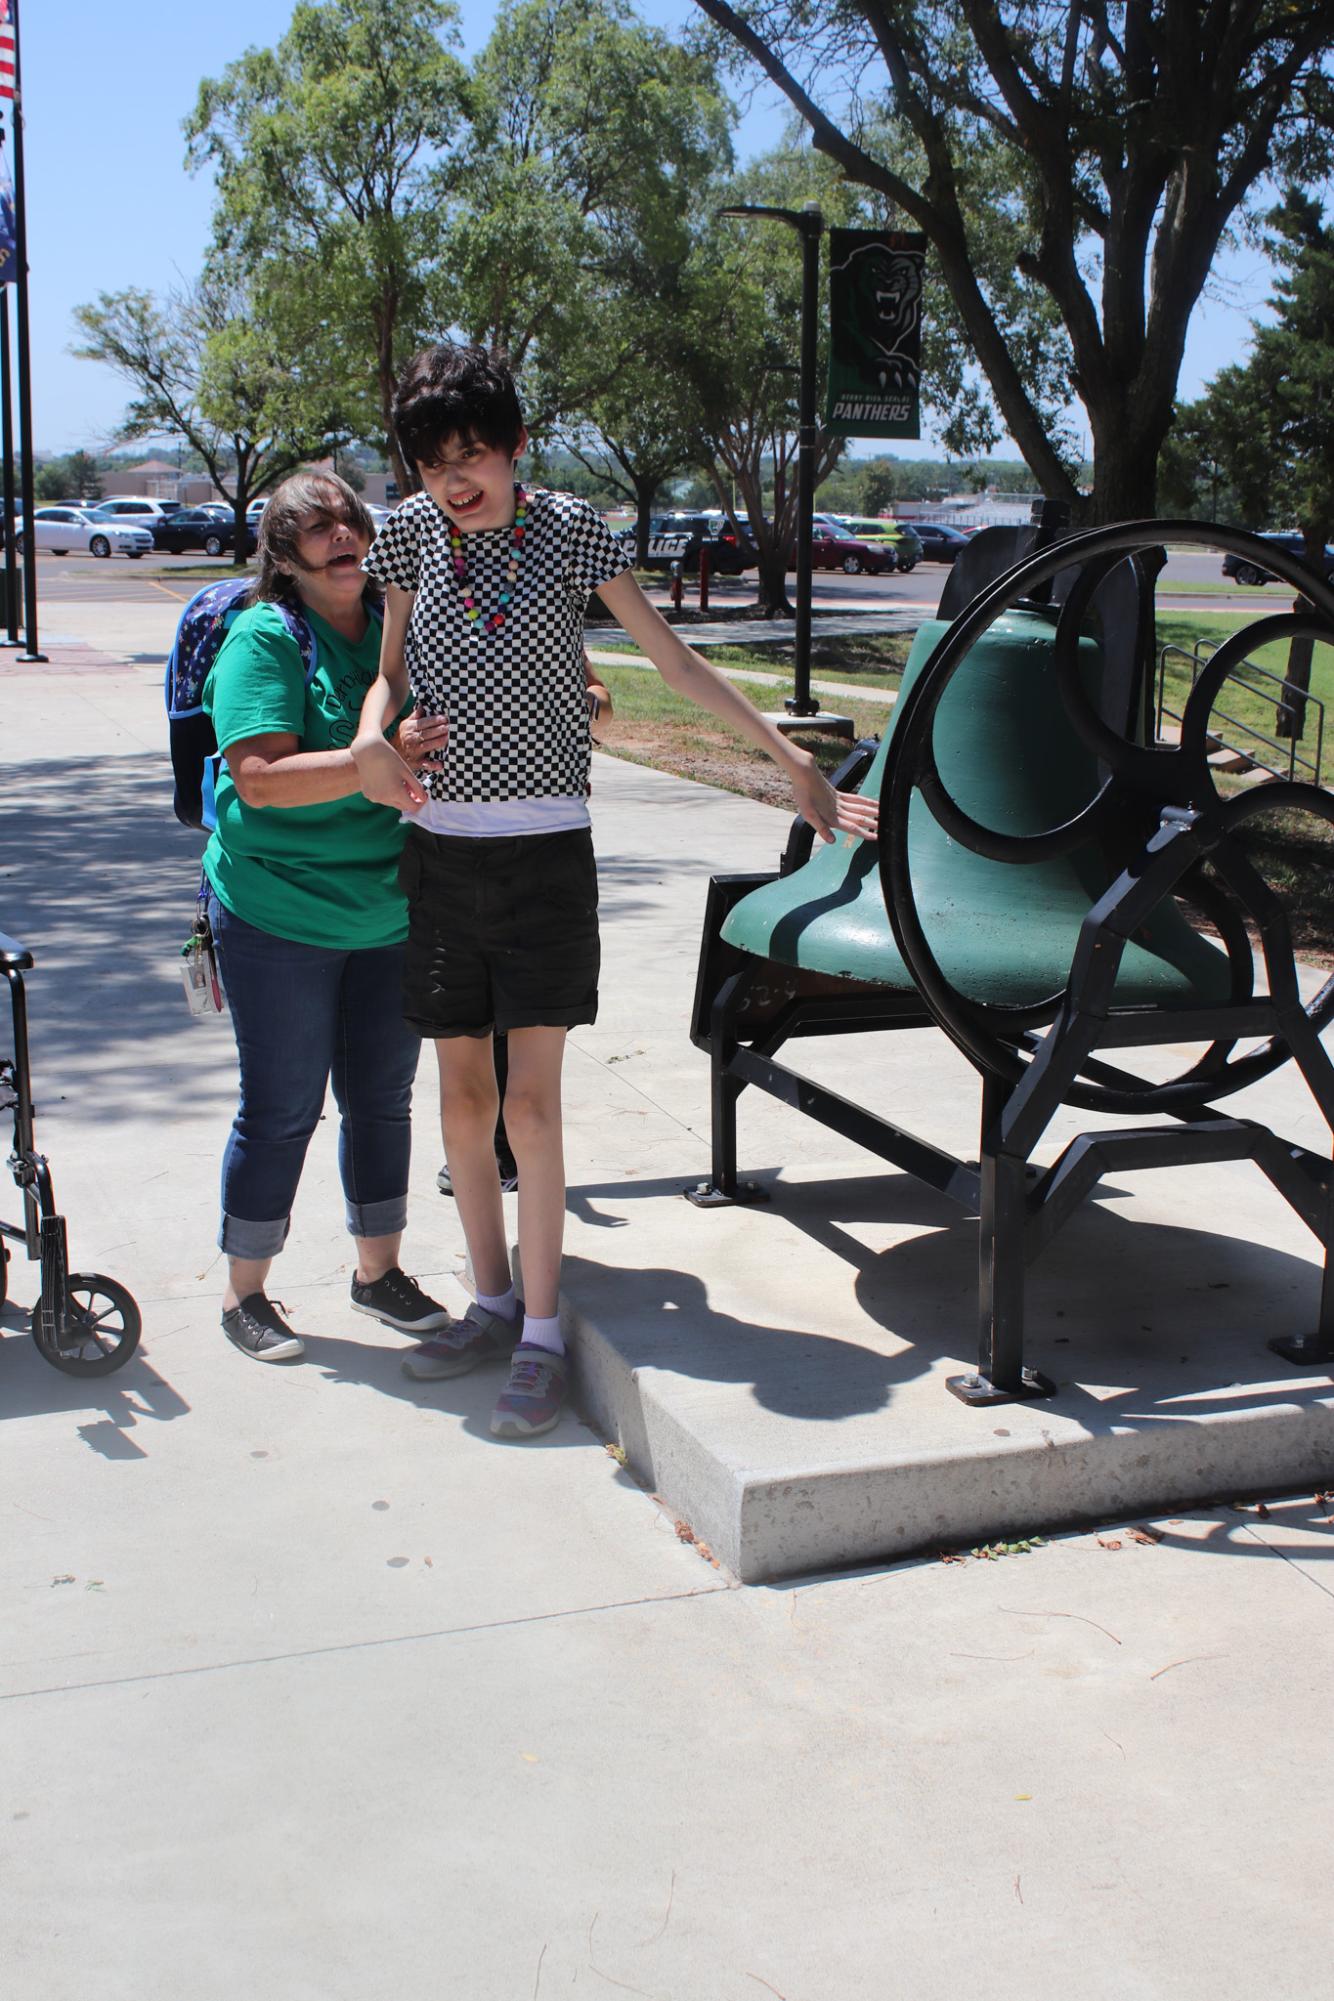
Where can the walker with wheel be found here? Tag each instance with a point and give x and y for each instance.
(84, 1323)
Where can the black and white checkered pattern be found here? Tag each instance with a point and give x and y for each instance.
(518, 720)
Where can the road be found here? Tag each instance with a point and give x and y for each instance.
(65, 579)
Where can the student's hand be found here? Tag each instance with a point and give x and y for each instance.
(831, 812)
(420, 740)
(385, 777)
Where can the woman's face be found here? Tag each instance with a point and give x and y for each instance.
(330, 551)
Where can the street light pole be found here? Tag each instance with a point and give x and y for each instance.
(801, 711)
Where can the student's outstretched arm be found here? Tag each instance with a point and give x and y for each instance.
(689, 675)
(382, 773)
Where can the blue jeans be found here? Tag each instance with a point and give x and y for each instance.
(303, 1016)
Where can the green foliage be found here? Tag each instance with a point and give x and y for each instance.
(77, 477)
(334, 153)
(1075, 169)
(240, 374)
(1258, 448)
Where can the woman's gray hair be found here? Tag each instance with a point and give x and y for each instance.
(289, 510)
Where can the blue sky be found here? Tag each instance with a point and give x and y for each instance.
(111, 205)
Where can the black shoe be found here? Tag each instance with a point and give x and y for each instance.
(258, 1329)
(398, 1301)
(505, 1167)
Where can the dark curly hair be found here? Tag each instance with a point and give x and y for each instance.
(451, 391)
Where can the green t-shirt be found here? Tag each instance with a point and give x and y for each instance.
(322, 875)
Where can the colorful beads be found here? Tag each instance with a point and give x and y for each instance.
(493, 620)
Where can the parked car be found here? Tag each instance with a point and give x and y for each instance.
(833, 548)
(678, 538)
(199, 528)
(1288, 539)
(940, 543)
(61, 529)
(901, 538)
(131, 507)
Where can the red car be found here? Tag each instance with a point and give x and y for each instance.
(831, 550)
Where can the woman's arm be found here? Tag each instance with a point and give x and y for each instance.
(689, 675)
(273, 770)
(600, 705)
(381, 773)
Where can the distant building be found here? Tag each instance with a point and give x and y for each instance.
(158, 479)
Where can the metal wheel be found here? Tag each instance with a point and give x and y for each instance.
(852, 566)
(213, 545)
(1145, 788)
(99, 546)
(101, 1327)
(1250, 573)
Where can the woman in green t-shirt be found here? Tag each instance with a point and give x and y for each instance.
(308, 916)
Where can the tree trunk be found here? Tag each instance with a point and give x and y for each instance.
(1125, 472)
(772, 600)
(1301, 652)
(645, 490)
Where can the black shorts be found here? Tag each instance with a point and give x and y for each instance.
(502, 932)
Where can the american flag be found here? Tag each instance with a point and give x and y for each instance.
(6, 49)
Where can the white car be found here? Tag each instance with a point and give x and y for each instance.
(131, 510)
(61, 529)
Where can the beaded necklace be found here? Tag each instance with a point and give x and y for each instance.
(493, 619)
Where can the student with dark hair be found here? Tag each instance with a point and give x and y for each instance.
(486, 588)
(308, 916)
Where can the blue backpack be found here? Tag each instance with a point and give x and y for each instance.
(194, 748)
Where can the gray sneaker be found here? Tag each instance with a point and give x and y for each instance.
(532, 1399)
(481, 1336)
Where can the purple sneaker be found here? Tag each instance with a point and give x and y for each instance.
(532, 1399)
(479, 1337)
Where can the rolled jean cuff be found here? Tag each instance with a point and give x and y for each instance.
(378, 1219)
(252, 1241)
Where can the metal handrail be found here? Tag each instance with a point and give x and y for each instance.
(1290, 761)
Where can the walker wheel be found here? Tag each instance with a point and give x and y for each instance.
(100, 1330)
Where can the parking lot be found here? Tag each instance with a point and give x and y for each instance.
(116, 580)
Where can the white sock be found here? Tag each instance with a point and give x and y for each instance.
(543, 1333)
(503, 1303)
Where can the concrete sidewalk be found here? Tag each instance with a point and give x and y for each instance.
(314, 1690)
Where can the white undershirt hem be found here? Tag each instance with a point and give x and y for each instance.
(481, 819)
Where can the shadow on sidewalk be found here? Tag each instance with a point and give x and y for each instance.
(99, 884)
(1166, 1321)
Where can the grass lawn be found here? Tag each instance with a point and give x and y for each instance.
(871, 660)
(1294, 852)
(655, 727)
(1247, 698)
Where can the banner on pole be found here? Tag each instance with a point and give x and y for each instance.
(875, 328)
(9, 263)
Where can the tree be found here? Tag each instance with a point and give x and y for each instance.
(1268, 425)
(749, 380)
(241, 378)
(593, 143)
(1124, 142)
(74, 478)
(334, 154)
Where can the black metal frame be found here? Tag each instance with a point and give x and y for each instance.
(62, 1326)
(1034, 1060)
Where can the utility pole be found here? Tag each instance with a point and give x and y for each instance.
(800, 710)
(27, 499)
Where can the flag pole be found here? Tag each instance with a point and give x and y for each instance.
(27, 499)
(11, 582)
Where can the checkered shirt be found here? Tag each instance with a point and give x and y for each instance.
(518, 718)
